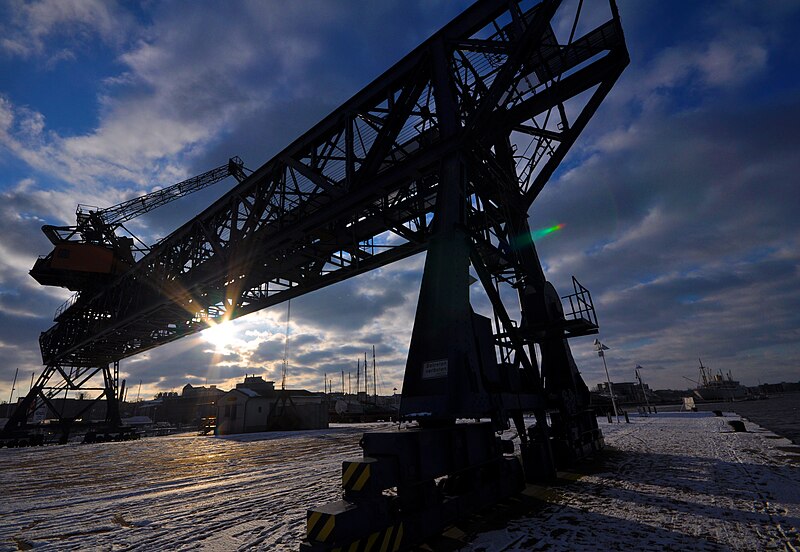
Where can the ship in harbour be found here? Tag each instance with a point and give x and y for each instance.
(716, 386)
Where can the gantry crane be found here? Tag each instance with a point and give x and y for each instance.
(445, 153)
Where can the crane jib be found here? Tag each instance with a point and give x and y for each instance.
(132, 208)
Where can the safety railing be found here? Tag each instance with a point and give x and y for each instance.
(580, 304)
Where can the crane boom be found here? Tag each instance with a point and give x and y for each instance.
(132, 208)
(94, 224)
(90, 254)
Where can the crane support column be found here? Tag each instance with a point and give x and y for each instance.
(410, 483)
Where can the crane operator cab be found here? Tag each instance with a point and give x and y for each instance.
(85, 256)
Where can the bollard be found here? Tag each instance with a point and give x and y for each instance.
(609, 417)
(627, 421)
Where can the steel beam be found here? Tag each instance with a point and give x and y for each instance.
(371, 167)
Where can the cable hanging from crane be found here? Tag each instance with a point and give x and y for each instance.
(285, 370)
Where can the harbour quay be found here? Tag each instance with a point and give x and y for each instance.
(669, 481)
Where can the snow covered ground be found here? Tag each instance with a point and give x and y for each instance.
(672, 481)
(679, 481)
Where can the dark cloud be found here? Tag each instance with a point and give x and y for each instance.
(269, 351)
(685, 230)
(356, 303)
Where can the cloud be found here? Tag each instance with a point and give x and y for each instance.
(725, 61)
(325, 337)
(683, 227)
(24, 135)
(31, 26)
(186, 80)
(682, 56)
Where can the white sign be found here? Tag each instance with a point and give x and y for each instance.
(39, 414)
(434, 369)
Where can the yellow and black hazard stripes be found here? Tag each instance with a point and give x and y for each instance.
(319, 526)
(385, 540)
(360, 522)
(356, 474)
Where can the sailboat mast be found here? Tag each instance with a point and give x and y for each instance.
(13, 386)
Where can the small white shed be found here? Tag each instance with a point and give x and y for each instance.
(242, 410)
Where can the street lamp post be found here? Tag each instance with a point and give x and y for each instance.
(639, 377)
(600, 348)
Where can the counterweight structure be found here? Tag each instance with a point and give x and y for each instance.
(86, 258)
(445, 153)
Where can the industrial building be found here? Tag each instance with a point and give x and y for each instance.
(255, 405)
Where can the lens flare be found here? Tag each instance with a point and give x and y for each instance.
(526, 239)
(542, 232)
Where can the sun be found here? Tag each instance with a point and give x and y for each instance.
(222, 335)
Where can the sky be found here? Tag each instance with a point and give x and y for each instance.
(677, 207)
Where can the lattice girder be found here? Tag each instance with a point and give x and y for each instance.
(321, 210)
